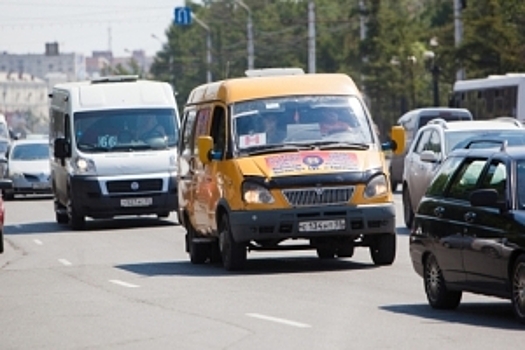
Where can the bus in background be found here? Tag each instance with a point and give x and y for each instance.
(491, 97)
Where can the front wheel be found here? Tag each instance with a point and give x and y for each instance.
(76, 220)
(438, 295)
(198, 251)
(518, 288)
(233, 254)
(408, 212)
(383, 249)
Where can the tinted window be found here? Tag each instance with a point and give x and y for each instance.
(187, 142)
(466, 178)
(438, 184)
(520, 183)
(422, 141)
(424, 119)
(36, 151)
(497, 137)
(496, 178)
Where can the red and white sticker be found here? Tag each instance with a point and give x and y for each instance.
(251, 140)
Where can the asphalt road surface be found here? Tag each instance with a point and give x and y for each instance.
(128, 284)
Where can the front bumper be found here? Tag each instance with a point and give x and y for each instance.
(30, 184)
(90, 200)
(284, 223)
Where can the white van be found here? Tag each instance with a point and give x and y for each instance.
(113, 149)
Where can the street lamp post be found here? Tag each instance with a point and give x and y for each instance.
(208, 46)
(249, 29)
(435, 70)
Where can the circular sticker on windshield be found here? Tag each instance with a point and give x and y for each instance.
(313, 161)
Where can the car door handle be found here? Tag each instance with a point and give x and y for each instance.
(439, 211)
(470, 217)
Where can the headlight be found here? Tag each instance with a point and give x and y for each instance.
(173, 163)
(254, 193)
(16, 175)
(378, 186)
(84, 166)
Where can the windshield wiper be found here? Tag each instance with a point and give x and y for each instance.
(338, 144)
(266, 149)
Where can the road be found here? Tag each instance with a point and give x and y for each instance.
(128, 284)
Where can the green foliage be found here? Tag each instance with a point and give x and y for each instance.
(390, 65)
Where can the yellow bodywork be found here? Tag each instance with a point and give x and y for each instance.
(222, 180)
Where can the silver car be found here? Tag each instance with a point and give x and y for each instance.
(28, 168)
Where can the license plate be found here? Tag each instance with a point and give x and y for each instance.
(322, 225)
(136, 202)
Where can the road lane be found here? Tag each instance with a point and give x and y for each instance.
(93, 302)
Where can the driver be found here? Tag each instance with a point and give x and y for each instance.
(148, 127)
(330, 122)
(274, 135)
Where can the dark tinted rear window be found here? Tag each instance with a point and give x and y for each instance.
(448, 116)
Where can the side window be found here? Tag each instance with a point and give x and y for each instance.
(466, 179)
(434, 143)
(496, 178)
(186, 142)
(202, 125)
(422, 141)
(218, 130)
(442, 177)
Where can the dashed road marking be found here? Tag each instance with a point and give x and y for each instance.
(64, 262)
(279, 320)
(124, 284)
(37, 241)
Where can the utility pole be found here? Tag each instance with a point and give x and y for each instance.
(311, 37)
(458, 32)
(208, 47)
(249, 31)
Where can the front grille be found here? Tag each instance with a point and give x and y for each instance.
(134, 186)
(308, 197)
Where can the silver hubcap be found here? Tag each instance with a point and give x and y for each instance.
(433, 279)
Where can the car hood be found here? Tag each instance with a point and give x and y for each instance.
(310, 162)
(133, 163)
(29, 166)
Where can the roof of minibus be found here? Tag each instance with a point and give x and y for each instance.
(252, 88)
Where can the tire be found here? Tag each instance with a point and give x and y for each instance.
(163, 215)
(438, 296)
(408, 212)
(346, 251)
(393, 183)
(8, 195)
(233, 254)
(325, 253)
(518, 289)
(76, 220)
(198, 252)
(61, 218)
(383, 249)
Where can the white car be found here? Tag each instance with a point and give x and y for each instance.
(435, 141)
(28, 168)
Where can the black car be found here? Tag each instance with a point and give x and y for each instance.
(468, 233)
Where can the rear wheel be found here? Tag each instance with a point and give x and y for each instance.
(393, 183)
(518, 288)
(438, 296)
(233, 254)
(8, 195)
(408, 212)
(325, 253)
(163, 214)
(383, 249)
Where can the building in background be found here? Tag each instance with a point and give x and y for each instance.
(24, 102)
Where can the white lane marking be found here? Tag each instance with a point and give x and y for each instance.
(64, 262)
(279, 320)
(18, 226)
(37, 241)
(124, 284)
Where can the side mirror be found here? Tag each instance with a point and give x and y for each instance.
(397, 141)
(485, 198)
(61, 148)
(204, 147)
(429, 156)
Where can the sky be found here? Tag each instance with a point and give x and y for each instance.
(83, 26)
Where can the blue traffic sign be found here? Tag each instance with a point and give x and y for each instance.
(182, 16)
